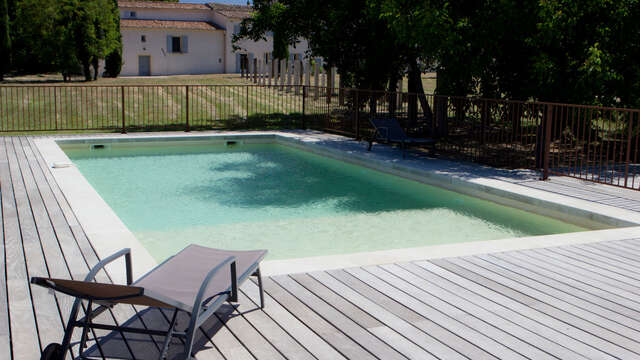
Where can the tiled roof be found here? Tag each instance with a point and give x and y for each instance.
(161, 5)
(232, 11)
(167, 24)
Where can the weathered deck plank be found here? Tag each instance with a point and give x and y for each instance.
(24, 334)
(537, 310)
(359, 326)
(520, 326)
(459, 322)
(423, 345)
(398, 308)
(5, 332)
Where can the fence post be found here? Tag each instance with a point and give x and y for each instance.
(124, 126)
(304, 104)
(246, 93)
(187, 100)
(628, 156)
(356, 105)
(547, 142)
(55, 106)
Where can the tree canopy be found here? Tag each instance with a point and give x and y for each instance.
(5, 38)
(69, 36)
(551, 50)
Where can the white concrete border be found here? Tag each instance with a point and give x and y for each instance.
(108, 234)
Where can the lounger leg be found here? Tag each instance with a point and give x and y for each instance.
(259, 275)
(234, 283)
(85, 328)
(66, 340)
(167, 340)
(188, 346)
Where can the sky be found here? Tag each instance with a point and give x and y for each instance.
(236, 2)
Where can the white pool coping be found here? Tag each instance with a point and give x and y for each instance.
(108, 233)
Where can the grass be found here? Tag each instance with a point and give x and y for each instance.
(215, 101)
(428, 80)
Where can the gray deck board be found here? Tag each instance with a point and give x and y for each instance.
(5, 333)
(24, 334)
(584, 275)
(585, 316)
(421, 344)
(579, 301)
(535, 309)
(385, 333)
(611, 300)
(521, 326)
(334, 336)
(498, 328)
(463, 324)
(398, 308)
(592, 323)
(554, 294)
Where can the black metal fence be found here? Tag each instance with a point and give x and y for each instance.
(591, 143)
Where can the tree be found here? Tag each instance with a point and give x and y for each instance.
(113, 61)
(587, 50)
(347, 34)
(69, 36)
(36, 40)
(5, 39)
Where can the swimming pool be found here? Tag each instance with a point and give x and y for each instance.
(292, 202)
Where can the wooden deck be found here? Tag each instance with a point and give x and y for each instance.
(566, 302)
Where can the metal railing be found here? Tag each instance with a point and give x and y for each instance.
(591, 143)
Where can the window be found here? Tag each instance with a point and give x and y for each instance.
(143, 38)
(176, 44)
(132, 14)
(236, 29)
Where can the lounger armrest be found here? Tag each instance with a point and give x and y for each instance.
(231, 261)
(117, 292)
(99, 266)
(196, 318)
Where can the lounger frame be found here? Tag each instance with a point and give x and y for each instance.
(201, 311)
(382, 134)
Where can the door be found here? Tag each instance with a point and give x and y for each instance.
(144, 65)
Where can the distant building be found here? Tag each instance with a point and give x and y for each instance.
(165, 38)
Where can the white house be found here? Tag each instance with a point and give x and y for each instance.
(165, 38)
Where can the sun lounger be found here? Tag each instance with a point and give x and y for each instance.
(389, 131)
(197, 280)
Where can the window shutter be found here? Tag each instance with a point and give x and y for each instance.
(169, 47)
(185, 44)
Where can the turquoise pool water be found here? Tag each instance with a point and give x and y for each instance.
(294, 203)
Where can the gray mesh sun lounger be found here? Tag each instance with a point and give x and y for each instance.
(197, 280)
(389, 131)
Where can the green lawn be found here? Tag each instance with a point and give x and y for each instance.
(214, 101)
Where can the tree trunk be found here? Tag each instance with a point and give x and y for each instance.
(392, 94)
(414, 71)
(441, 105)
(373, 103)
(412, 101)
(96, 68)
(86, 69)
